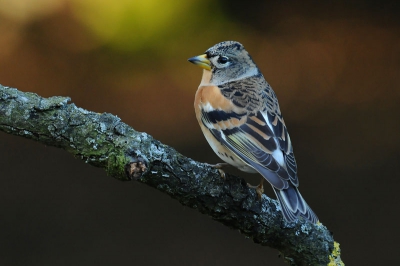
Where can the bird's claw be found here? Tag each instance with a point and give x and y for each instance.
(219, 166)
(259, 188)
(221, 173)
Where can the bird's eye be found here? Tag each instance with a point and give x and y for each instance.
(223, 59)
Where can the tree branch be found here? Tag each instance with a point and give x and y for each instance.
(104, 141)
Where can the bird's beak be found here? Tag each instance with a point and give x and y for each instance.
(202, 61)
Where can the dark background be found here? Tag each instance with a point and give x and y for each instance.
(336, 71)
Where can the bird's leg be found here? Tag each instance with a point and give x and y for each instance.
(259, 188)
(219, 166)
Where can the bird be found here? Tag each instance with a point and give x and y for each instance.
(239, 115)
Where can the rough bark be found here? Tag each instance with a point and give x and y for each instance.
(103, 140)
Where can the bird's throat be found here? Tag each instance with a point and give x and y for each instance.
(206, 78)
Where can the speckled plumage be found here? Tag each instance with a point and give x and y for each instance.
(240, 117)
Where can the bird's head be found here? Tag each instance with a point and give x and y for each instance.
(227, 61)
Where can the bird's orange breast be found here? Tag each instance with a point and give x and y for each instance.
(209, 97)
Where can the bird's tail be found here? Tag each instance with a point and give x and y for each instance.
(293, 205)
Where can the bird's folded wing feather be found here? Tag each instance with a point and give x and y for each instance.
(260, 140)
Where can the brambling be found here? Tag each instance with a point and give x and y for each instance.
(240, 117)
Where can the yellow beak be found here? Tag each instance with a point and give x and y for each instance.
(201, 61)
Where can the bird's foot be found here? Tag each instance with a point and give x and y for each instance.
(259, 188)
(219, 166)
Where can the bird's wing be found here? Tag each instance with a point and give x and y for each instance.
(260, 140)
(277, 124)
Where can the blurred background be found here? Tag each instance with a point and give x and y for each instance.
(336, 71)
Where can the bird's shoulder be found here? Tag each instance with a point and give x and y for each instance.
(252, 93)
